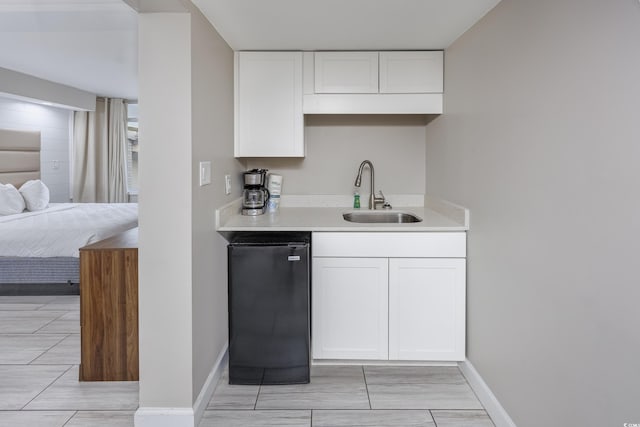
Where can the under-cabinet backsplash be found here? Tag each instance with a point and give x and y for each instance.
(335, 146)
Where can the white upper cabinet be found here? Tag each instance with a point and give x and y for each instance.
(398, 82)
(268, 104)
(411, 72)
(346, 72)
(273, 91)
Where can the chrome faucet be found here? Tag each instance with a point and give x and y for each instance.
(373, 198)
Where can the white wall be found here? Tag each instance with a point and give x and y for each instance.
(212, 133)
(336, 144)
(541, 141)
(165, 177)
(53, 123)
(185, 116)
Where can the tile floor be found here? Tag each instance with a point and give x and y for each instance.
(371, 396)
(40, 353)
(39, 357)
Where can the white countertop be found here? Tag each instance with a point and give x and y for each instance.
(436, 215)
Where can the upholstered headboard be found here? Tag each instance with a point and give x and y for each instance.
(19, 156)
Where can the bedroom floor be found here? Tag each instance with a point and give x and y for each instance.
(39, 357)
(40, 353)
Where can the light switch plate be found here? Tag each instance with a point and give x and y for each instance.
(205, 173)
(227, 184)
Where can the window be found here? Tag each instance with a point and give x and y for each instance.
(132, 151)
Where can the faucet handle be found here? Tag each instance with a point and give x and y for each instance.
(383, 200)
(378, 199)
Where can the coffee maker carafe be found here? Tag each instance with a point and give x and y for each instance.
(254, 195)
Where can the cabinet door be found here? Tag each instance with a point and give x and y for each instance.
(411, 72)
(268, 104)
(426, 309)
(349, 308)
(346, 72)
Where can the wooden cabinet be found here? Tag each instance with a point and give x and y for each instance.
(426, 309)
(395, 296)
(109, 309)
(350, 306)
(268, 104)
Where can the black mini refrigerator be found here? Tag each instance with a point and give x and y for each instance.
(269, 300)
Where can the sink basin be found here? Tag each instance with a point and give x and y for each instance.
(381, 217)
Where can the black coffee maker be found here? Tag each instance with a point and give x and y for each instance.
(254, 195)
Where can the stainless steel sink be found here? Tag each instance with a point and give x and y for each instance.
(381, 217)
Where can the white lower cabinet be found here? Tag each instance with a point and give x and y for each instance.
(386, 305)
(426, 309)
(350, 304)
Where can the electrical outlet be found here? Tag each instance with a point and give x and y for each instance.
(227, 184)
(55, 164)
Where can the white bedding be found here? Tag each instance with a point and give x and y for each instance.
(63, 228)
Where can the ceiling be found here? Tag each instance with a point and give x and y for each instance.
(342, 24)
(92, 44)
(88, 44)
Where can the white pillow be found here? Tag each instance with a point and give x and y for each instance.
(36, 195)
(11, 202)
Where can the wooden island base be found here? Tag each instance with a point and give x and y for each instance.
(109, 309)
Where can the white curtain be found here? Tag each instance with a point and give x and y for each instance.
(117, 146)
(100, 150)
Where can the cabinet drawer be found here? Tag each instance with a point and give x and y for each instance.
(390, 245)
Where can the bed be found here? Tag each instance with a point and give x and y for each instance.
(39, 250)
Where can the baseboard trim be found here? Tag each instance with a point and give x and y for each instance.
(358, 362)
(491, 404)
(209, 385)
(184, 417)
(164, 417)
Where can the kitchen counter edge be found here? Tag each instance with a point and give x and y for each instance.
(437, 216)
